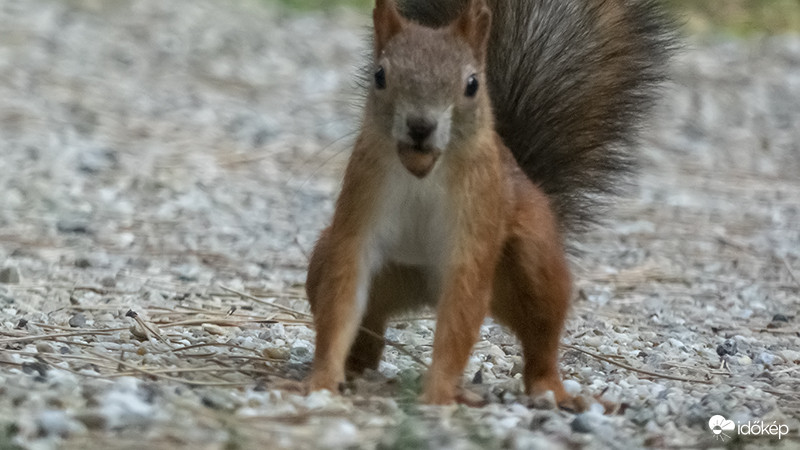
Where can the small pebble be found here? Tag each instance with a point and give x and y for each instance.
(343, 433)
(276, 352)
(597, 408)
(780, 318)
(655, 441)
(792, 356)
(93, 420)
(9, 275)
(37, 367)
(210, 328)
(300, 352)
(73, 227)
(518, 366)
(729, 347)
(572, 387)
(83, 263)
(539, 419)
(765, 358)
(138, 332)
(44, 347)
(478, 377)
(77, 321)
(583, 423)
(104, 317)
(54, 423)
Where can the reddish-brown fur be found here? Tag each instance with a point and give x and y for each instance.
(506, 257)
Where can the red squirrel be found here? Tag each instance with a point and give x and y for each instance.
(491, 128)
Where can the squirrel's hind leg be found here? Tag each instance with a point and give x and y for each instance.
(531, 296)
(395, 289)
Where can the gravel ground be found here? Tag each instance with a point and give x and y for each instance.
(166, 167)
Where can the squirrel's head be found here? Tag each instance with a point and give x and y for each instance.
(428, 89)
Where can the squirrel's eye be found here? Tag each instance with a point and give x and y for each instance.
(380, 78)
(472, 86)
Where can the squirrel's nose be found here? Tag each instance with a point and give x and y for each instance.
(420, 129)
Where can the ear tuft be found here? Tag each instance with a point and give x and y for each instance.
(387, 22)
(474, 26)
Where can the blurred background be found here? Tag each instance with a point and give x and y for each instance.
(739, 17)
(178, 159)
(733, 17)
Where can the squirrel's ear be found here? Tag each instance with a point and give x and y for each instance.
(474, 25)
(387, 22)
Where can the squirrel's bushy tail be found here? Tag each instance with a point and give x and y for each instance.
(570, 82)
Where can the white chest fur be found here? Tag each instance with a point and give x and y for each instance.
(413, 223)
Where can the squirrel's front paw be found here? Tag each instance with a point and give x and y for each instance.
(436, 398)
(549, 392)
(438, 393)
(469, 398)
(319, 381)
(447, 396)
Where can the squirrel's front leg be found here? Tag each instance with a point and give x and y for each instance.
(464, 304)
(337, 285)
(341, 268)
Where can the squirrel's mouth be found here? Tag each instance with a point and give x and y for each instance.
(418, 159)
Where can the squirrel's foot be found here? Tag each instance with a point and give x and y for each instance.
(322, 380)
(540, 389)
(437, 393)
(448, 396)
(575, 404)
(469, 398)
